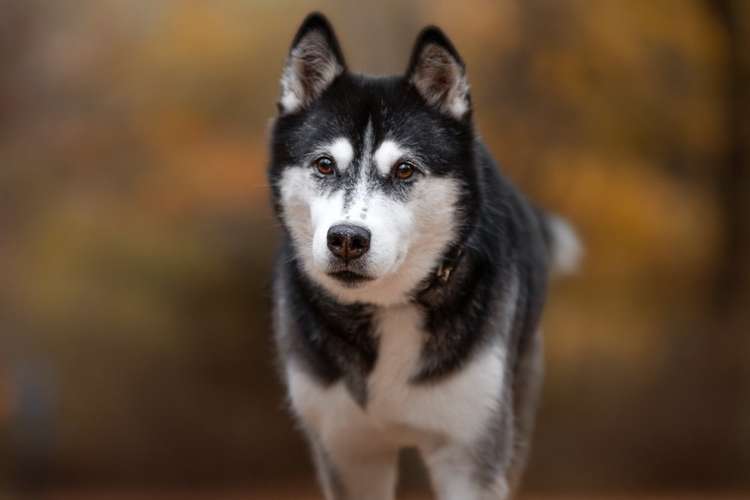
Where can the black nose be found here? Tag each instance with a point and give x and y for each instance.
(348, 242)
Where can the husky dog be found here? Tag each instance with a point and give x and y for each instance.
(411, 275)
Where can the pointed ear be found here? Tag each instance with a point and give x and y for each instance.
(438, 73)
(314, 62)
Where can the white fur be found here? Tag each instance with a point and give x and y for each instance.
(290, 100)
(442, 419)
(458, 104)
(296, 198)
(458, 407)
(342, 151)
(453, 478)
(387, 155)
(567, 250)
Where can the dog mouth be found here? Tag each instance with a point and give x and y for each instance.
(350, 278)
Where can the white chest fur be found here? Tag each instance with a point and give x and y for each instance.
(456, 408)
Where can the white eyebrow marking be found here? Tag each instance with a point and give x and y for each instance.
(342, 152)
(386, 155)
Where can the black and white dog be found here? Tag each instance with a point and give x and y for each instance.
(411, 278)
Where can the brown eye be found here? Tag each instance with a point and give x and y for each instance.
(403, 171)
(324, 165)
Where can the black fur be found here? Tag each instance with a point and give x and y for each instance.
(504, 244)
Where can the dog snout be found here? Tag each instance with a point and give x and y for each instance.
(348, 242)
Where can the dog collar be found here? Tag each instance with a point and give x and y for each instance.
(449, 264)
(443, 273)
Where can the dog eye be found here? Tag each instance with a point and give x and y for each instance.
(403, 171)
(324, 165)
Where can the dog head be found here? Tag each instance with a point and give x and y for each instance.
(373, 178)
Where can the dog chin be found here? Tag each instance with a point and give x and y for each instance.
(339, 279)
(350, 279)
(348, 288)
(380, 291)
(352, 284)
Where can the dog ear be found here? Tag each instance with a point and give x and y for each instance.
(438, 73)
(314, 62)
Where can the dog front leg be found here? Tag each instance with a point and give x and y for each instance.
(455, 475)
(356, 475)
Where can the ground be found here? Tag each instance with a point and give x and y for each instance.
(289, 494)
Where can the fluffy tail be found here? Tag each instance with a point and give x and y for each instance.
(564, 247)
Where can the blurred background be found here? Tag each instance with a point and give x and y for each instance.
(136, 237)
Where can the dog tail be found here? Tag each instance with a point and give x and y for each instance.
(563, 245)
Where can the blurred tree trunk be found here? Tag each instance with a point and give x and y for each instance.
(15, 31)
(732, 286)
(726, 342)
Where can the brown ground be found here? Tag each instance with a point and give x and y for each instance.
(278, 494)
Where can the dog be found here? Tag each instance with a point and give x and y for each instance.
(411, 276)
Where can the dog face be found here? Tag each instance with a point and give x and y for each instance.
(372, 178)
